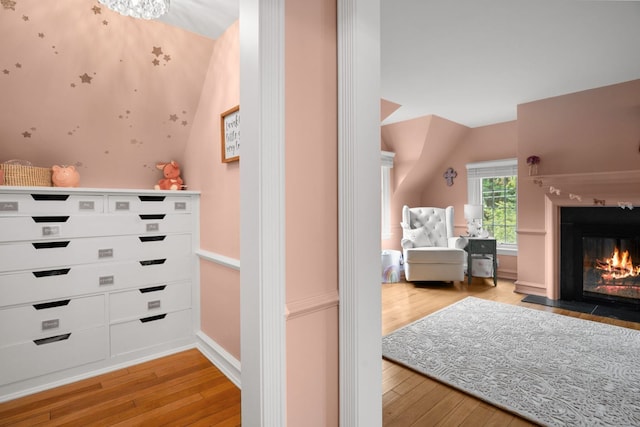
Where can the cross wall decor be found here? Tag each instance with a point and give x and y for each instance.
(449, 175)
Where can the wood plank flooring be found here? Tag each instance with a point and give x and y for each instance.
(411, 399)
(185, 389)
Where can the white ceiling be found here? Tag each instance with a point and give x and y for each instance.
(473, 61)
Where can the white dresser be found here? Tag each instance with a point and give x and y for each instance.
(91, 280)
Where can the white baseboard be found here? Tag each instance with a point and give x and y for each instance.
(221, 358)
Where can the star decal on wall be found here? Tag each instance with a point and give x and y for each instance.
(97, 10)
(25, 18)
(105, 22)
(157, 51)
(18, 65)
(26, 134)
(155, 62)
(73, 85)
(173, 117)
(85, 78)
(5, 71)
(8, 4)
(184, 123)
(41, 35)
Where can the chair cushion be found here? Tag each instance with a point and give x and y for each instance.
(434, 255)
(418, 236)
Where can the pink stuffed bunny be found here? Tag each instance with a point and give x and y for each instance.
(171, 180)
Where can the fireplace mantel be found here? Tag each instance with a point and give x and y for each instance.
(610, 187)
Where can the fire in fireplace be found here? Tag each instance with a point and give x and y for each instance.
(600, 255)
(608, 268)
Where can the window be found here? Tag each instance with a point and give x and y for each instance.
(494, 186)
(385, 186)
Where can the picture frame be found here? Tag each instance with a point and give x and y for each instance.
(230, 134)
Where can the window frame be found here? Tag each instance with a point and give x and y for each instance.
(491, 169)
(386, 163)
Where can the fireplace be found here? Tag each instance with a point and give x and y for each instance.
(600, 256)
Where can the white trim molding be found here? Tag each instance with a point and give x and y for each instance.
(262, 235)
(219, 259)
(221, 358)
(359, 249)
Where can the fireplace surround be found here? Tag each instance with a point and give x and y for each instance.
(599, 256)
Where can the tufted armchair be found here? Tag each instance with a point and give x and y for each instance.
(431, 252)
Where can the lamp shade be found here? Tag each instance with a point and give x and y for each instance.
(472, 212)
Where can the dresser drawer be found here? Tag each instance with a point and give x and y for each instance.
(37, 227)
(64, 252)
(160, 203)
(148, 301)
(30, 359)
(41, 285)
(49, 203)
(51, 318)
(150, 331)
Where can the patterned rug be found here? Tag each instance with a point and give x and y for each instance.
(551, 369)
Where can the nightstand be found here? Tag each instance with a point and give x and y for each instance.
(480, 246)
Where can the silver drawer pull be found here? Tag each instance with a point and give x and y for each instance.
(152, 262)
(153, 226)
(105, 253)
(151, 238)
(44, 197)
(153, 318)
(152, 289)
(106, 280)
(52, 304)
(50, 324)
(49, 273)
(49, 340)
(153, 304)
(122, 206)
(180, 206)
(51, 245)
(40, 219)
(86, 205)
(9, 207)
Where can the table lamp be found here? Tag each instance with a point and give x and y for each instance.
(473, 215)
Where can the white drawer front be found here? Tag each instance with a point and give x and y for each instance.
(160, 203)
(37, 321)
(46, 284)
(149, 301)
(49, 203)
(149, 332)
(154, 223)
(28, 360)
(63, 252)
(37, 227)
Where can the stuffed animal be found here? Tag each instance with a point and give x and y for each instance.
(171, 180)
(65, 176)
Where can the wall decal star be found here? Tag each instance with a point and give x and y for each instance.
(173, 117)
(96, 10)
(18, 65)
(85, 78)
(184, 123)
(167, 58)
(155, 62)
(8, 4)
(26, 134)
(157, 51)
(41, 35)
(25, 18)
(73, 85)
(5, 71)
(105, 22)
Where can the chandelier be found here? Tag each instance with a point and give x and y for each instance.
(145, 9)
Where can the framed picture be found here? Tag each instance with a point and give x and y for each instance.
(230, 134)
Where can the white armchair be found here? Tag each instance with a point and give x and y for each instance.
(431, 252)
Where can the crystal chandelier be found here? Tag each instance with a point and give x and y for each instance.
(145, 9)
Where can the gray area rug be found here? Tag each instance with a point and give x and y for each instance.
(551, 369)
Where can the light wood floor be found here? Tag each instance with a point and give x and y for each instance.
(186, 389)
(183, 389)
(411, 399)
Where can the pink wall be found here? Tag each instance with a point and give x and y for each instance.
(83, 85)
(219, 184)
(596, 130)
(425, 148)
(311, 211)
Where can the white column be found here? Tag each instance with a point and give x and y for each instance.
(359, 212)
(262, 211)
